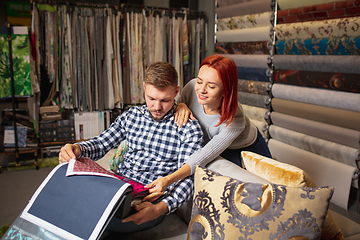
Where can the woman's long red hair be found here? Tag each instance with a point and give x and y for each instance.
(227, 71)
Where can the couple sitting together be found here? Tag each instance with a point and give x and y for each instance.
(167, 140)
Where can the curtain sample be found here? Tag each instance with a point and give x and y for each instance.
(340, 135)
(335, 151)
(319, 46)
(260, 47)
(245, 35)
(333, 116)
(340, 27)
(319, 63)
(246, 21)
(323, 97)
(262, 126)
(255, 87)
(255, 100)
(243, 8)
(21, 64)
(336, 81)
(255, 74)
(247, 60)
(324, 171)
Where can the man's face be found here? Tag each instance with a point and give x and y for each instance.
(159, 100)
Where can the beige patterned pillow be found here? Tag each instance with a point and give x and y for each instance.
(226, 208)
(289, 175)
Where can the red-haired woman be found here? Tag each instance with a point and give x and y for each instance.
(213, 100)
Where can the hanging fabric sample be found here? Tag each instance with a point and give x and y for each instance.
(245, 21)
(21, 62)
(323, 97)
(341, 27)
(319, 46)
(260, 47)
(335, 151)
(341, 135)
(336, 81)
(333, 116)
(319, 63)
(243, 8)
(255, 87)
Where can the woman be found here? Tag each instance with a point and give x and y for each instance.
(212, 99)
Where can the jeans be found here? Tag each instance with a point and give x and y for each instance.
(259, 147)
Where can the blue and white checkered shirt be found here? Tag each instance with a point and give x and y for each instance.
(156, 149)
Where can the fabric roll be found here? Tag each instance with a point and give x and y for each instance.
(333, 116)
(343, 64)
(243, 8)
(340, 135)
(323, 97)
(286, 4)
(346, 82)
(335, 151)
(255, 100)
(255, 74)
(245, 35)
(319, 46)
(324, 171)
(245, 21)
(262, 126)
(255, 113)
(339, 27)
(252, 61)
(260, 47)
(255, 87)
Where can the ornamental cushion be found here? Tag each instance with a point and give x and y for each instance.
(289, 175)
(226, 208)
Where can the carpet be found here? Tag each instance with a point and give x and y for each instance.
(29, 164)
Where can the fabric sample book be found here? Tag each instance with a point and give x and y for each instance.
(71, 206)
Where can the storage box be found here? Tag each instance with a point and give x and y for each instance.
(51, 151)
(47, 131)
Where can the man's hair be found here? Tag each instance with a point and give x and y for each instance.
(161, 74)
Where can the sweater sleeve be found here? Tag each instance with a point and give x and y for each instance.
(214, 147)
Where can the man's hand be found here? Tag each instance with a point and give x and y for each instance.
(69, 151)
(146, 211)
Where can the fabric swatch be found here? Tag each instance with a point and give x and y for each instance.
(260, 47)
(323, 97)
(319, 46)
(346, 82)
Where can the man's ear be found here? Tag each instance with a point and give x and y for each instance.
(177, 90)
(144, 85)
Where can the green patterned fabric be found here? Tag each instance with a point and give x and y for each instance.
(118, 157)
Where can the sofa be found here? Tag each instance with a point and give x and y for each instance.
(180, 224)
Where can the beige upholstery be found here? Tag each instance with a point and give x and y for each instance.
(174, 227)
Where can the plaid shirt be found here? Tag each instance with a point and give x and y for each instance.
(156, 149)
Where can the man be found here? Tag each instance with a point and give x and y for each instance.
(157, 146)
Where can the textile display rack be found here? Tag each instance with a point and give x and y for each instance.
(314, 113)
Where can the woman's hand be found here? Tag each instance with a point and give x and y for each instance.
(157, 188)
(183, 114)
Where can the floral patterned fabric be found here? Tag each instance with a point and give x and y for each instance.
(341, 27)
(261, 47)
(246, 21)
(319, 46)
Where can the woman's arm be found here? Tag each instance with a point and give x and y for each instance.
(158, 187)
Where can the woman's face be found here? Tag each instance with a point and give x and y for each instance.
(209, 88)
